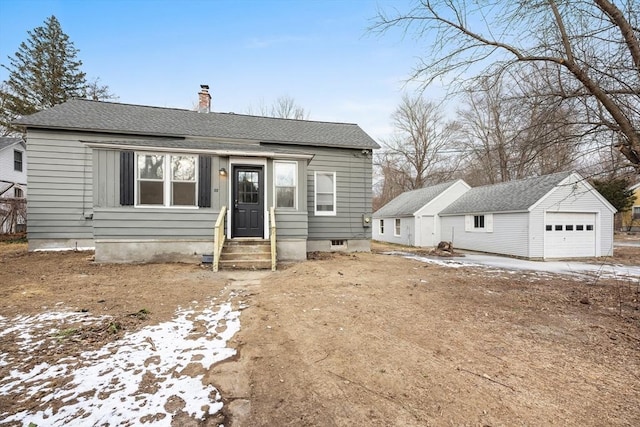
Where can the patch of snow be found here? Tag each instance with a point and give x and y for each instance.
(512, 265)
(105, 387)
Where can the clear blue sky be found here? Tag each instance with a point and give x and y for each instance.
(155, 52)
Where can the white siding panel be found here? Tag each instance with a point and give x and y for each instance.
(572, 197)
(407, 231)
(509, 236)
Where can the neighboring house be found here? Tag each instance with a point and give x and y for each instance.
(13, 167)
(412, 217)
(553, 216)
(140, 183)
(631, 218)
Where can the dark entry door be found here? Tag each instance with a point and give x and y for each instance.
(248, 199)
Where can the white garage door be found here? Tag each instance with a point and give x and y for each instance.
(570, 235)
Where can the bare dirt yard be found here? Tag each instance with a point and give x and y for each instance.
(339, 340)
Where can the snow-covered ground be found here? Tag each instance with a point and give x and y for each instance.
(143, 378)
(575, 268)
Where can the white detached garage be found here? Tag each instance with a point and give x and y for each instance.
(412, 217)
(553, 216)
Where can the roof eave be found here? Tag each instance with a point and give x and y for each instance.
(219, 152)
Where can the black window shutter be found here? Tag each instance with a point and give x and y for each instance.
(204, 182)
(127, 177)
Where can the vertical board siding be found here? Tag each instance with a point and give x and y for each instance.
(509, 236)
(60, 178)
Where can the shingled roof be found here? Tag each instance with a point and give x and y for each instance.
(512, 196)
(98, 116)
(410, 202)
(7, 141)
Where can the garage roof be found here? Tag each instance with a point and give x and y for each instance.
(512, 196)
(410, 202)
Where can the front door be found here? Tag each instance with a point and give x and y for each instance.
(248, 202)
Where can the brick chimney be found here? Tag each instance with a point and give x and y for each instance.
(204, 99)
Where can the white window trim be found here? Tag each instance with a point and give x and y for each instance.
(166, 181)
(295, 185)
(469, 223)
(315, 194)
(397, 227)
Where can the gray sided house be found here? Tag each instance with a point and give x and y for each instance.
(553, 216)
(141, 183)
(412, 217)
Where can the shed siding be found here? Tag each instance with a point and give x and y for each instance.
(407, 231)
(573, 197)
(60, 187)
(509, 236)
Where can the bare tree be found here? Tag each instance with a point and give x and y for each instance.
(508, 135)
(592, 48)
(415, 155)
(99, 92)
(285, 107)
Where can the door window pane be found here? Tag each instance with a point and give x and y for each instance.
(248, 187)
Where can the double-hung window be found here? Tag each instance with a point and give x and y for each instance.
(166, 180)
(286, 174)
(17, 160)
(325, 197)
(382, 226)
(396, 229)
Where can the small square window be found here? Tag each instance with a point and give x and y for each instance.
(568, 227)
(558, 228)
(337, 243)
(589, 227)
(478, 221)
(549, 227)
(18, 193)
(579, 227)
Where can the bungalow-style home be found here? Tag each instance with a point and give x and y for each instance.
(412, 217)
(553, 216)
(631, 218)
(140, 183)
(13, 167)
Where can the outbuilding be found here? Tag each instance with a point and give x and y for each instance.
(412, 217)
(553, 216)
